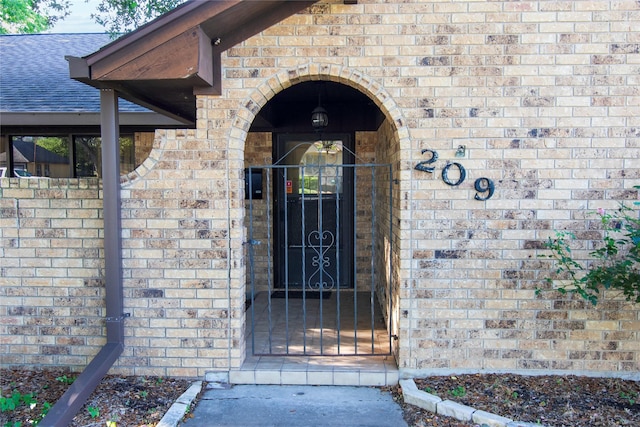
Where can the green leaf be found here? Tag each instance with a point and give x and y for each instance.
(614, 263)
(31, 16)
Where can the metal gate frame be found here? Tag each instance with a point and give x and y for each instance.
(321, 348)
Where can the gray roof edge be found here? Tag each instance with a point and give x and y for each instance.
(84, 119)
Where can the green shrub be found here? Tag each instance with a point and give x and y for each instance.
(615, 264)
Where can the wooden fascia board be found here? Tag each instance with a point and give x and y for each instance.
(206, 60)
(80, 71)
(212, 59)
(187, 56)
(155, 33)
(78, 68)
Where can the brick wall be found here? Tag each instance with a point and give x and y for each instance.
(51, 271)
(543, 95)
(180, 251)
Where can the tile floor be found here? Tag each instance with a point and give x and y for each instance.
(354, 356)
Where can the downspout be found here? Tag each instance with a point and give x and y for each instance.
(62, 413)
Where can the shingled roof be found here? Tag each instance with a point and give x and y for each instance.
(35, 75)
(36, 90)
(33, 152)
(23, 152)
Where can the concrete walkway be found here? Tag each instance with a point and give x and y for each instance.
(273, 405)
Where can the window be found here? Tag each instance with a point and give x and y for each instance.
(71, 156)
(319, 167)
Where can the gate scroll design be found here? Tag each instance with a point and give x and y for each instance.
(316, 242)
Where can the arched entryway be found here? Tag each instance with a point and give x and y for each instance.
(332, 294)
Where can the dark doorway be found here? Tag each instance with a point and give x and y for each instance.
(308, 295)
(317, 272)
(313, 206)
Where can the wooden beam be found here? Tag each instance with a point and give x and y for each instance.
(183, 57)
(208, 67)
(216, 87)
(78, 68)
(158, 31)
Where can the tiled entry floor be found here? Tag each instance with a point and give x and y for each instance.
(332, 368)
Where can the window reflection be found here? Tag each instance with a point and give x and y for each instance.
(316, 171)
(316, 167)
(41, 156)
(68, 157)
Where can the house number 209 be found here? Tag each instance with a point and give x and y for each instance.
(483, 186)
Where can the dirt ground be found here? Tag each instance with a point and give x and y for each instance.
(553, 401)
(116, 402)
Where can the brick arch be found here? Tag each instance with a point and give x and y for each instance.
(252, 105)
(157, 149)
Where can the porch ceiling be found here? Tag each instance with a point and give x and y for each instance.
(165, 63)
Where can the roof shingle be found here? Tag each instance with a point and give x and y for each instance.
(34, 75)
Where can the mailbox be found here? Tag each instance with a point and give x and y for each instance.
(252, 183)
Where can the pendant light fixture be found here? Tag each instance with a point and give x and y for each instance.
(319, 116)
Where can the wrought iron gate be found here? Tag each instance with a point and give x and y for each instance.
(319, 256)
